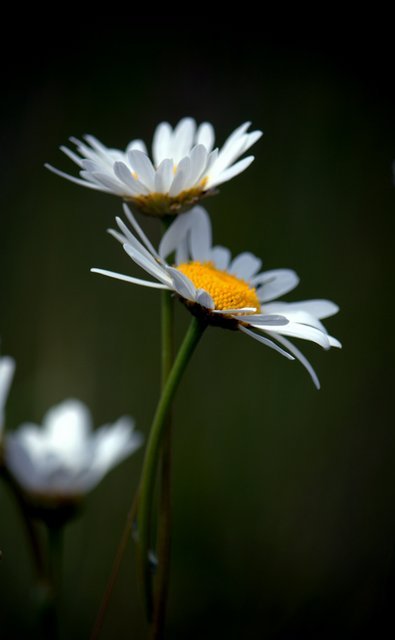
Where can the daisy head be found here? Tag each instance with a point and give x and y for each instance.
(185, 166)
(63, 459)
(231, 293)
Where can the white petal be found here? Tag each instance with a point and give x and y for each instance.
(204, 299)
(19, 462)
(67, 428)
(112, 184)
(175, 234)
(229, 173)
(221, 257)
(142, 165)
(274, 283)
(265, 320)
(7, 369)
(302, 359)
(137, 145)
(121, 276)
(318, 308)
(200, 238)
(303, 331)
(265, 341)
(205, 135)
(149, 264)
(227, 155)
(182, 284)
(252, 138)
(124, 174)
(73, 156)
(83, 183)
(298, 316)
(181, 177)
(139, 231)
(161, 143)
(164, 176)
(112, 444)
(245, 265)
(131, 240)
(183, 137)
(334, 342)
(198, 164)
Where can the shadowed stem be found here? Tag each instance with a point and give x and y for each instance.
(151, 458)
(115, 569)
(55, 549)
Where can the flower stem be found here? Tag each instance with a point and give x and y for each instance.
(115, 568)
(55, 553)
(164, 519)
(148, 476)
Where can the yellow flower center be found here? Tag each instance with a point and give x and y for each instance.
(227, 291)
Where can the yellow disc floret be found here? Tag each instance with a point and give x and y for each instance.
(227, 291)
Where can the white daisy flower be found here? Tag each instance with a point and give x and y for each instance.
(230, 293)
(65, 458)
(185, 166)
(7, 368)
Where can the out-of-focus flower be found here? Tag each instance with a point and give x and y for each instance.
(230, 293)
(184, 168)
(65, 458)
(7, 368)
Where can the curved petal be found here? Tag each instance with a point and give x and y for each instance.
(303, 331)
(319, 308)
(274, 283)
(183, 137)
(175, 234)
(205, 135)
(143, 167)
(265, 341)
(245, 265)
(299, 356)
(121, 276)
(200, 237)
(230, 172)
(161, 143)
(221, 257)
(182, 284)
(164, 176)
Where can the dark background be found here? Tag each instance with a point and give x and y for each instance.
(284, 521)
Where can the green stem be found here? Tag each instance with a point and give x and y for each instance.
(164, 519)
(30, 528)
(115, 569)
(152, 452)
(55, 556)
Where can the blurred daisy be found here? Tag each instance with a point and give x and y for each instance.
(65, 458)
(233, 294)
(7, 368)
(185, 166)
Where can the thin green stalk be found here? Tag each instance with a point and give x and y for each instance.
(30, 528)
(115, 569)
(164, 519)
(55, 557)
(152, 453)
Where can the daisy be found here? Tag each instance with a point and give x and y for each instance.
(65, 458)
(185, 166)
(7, 368)
(233, 294)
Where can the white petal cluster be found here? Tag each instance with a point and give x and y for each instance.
(190, 239)
(184, 165)
(66, 457)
